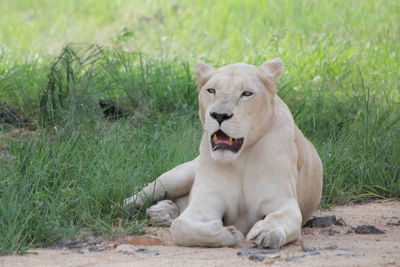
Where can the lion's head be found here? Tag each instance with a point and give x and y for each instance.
(236, 105)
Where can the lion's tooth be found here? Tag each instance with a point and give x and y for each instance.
(230, 140)
(215, 138)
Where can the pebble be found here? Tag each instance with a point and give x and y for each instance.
(330, 232)
(308, 248)
(70, 243)
(332, 247)
(336, 247)
(295, 258)
(256, 257)
(130, 249)
(93, 249)
(253, 251)
(325, 222)
(148, 251)
(394, 223)
(125, 248)
(367, 230)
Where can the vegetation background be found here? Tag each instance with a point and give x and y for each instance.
(70, 167)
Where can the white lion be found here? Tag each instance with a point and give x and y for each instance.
(256, 174)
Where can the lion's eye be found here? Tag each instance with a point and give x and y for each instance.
(211, 90)
(247, 93)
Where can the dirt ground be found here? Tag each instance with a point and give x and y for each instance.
(335, 246)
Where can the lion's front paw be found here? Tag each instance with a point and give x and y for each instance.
(163, 213)
(133, 201)
(237, 235)
(265, 235)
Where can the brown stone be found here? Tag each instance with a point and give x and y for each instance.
(145, 240)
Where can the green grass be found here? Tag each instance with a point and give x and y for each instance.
(341, 83)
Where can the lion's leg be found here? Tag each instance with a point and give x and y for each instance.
(182, 202)
(170, 185)
(201, 225)
(278, 227)
(187, 232)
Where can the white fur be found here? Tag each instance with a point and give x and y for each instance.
(266, 190)
(163, 213)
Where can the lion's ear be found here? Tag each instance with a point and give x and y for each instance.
(271, 72)
(203, 73)
(274, 68)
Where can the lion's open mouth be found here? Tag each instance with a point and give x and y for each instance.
(219, 140)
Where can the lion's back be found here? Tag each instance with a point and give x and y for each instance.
(309, 166)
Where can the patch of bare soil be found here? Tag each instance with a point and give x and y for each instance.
(356, 243)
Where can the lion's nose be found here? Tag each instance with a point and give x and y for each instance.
(220, 117)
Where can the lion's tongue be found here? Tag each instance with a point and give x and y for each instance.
(226, 141)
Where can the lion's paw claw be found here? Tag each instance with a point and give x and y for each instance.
(265, 236)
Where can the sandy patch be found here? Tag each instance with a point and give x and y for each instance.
(335, 246)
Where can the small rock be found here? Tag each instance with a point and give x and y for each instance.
(336, 247)
(367, 230)
(295, 258)
(253, 251)
(330, 232)
(92, 240)
(93, 249)
(332, 247)
(147, 251)
(106, 246)
(345, 255)
(256, 257)
(308, 248)
(324, 222)
(394, 223)
(125, 248)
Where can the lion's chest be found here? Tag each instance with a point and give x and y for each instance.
(243, 202)
(243, 220)
(248, 196)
